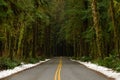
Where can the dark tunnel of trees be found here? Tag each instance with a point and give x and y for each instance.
(32, 29)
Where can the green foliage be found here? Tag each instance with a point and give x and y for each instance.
(3, 3)
(110, 62)
(44, 24)
(3, 9)
(86, 58)
(86, 14)
(117, 67)
(7, 63)
(35, 60)
(89, 34)
(75, 58)
(41, 58)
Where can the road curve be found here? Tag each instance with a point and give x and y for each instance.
(58, 69)
(75, 71)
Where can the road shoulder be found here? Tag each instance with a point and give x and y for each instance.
(98, 72)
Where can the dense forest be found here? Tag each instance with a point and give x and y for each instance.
(83, 29)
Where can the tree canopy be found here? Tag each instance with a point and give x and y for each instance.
(83, 29)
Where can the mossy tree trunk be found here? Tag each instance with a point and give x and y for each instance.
(115, 28)
(97, 28)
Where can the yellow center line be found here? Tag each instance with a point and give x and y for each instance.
(58, 71)
(59, 78)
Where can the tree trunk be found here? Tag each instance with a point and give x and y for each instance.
(116, 40)
(34, 48)
(6, 43)
(20, 41)
(97, 28)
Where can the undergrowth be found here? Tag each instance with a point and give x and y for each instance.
(7, 63)
(35, 60)
(112, 61)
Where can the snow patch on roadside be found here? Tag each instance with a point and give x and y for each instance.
(106, 71)
(9, 72)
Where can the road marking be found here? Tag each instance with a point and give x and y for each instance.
(58, 71)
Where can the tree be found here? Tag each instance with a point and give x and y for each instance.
(97, 28)
(115, 28)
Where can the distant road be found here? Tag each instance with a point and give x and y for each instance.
(58, 69)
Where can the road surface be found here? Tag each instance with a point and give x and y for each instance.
(58, 69)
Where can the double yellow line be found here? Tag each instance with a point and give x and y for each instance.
(58, 71)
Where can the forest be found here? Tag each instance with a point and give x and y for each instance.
(32, 30)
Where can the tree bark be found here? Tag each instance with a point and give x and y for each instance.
(97, 28)
(19, 52)
(116, 40)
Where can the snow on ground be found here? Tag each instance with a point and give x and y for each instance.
(9, 72)
(106, 71)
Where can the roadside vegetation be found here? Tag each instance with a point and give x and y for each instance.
(32, 30)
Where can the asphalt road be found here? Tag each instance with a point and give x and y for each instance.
(58, 69)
